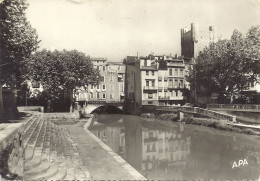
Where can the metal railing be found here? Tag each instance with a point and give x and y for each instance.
(209, 113)
(150, 87)
(175, 87)
(234, 106)
(205, 112)
(164, 97)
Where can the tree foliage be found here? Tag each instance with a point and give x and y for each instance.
(61, 72)
(227, 66)
(17, 41)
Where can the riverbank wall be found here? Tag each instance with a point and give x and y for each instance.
(12, 149)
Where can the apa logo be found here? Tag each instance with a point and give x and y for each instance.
(240, 163)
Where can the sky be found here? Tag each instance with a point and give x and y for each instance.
(117, 28)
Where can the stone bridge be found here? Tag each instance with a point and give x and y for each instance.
(90, 106)
(235, 107)
(197, 110)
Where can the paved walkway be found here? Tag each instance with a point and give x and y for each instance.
(101, 163)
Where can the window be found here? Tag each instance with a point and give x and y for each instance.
(181, 72)
(170, 72)
(104, 68)
(91, 95)
(176, 93)
(147, 83)
(97, 67)
(91, 86)
(148, 147)
(111, 96)
(150, 102)
(153, 84)
(104, 87)
(98, 95)
(103, 95)
(176, 83)
(147, 72)
(150, 135)
(152, 72)
(181, 84)
(102, 79)
(150, 95)
(176, 72)
(98, 86)
(119, 67)
(121, 87)
(159, 78)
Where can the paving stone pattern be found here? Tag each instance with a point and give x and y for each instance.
(50, 152)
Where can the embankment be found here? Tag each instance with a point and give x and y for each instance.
(209, 122)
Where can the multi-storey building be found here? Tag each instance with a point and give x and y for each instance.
(111, 86)
(154, 81)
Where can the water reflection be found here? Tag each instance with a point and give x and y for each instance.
(165, 150)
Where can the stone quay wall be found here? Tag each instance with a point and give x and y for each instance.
(63, 115)
(11, 151)
(31, 108)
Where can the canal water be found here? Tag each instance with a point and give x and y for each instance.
(174, 151)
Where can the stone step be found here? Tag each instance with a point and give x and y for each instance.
(30, 148)
(30, 131)
(28, 153)
(59, 146)
(36, 161)
(34, 136)
(62, 172)
(40, 138)
(41, 169)
(47, 136)
(46, 142)
(52, 171)
(52, 138)
(28, 124)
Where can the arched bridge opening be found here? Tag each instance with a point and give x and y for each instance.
(103, 107)
(107, 109)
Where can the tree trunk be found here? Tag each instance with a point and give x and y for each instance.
(71, 101)
(1, 104)
(231, 98)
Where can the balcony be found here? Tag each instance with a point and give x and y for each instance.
(152, 67)
(160, 88)
(175, 87)
(176, 98)
(175, 64)
(164, 97)
(150, 88)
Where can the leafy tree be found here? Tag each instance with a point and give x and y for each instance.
(61, 72)
(17, 41)
(227, 66)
